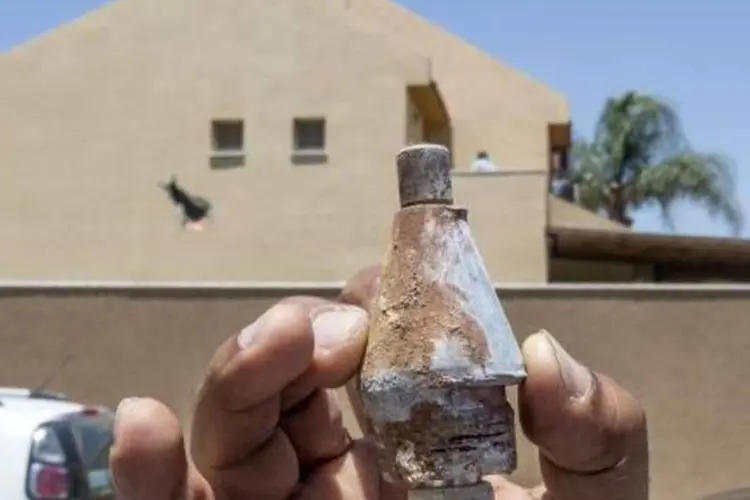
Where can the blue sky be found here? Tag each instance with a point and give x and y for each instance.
(688, 51)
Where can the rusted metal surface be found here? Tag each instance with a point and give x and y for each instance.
(481, 491)
(422, 175)
(440, 349)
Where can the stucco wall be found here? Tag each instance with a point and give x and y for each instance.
(97, 113)
(683, 353)
(100, 112)
(494, 107)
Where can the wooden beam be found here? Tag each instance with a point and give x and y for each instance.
(626, 246)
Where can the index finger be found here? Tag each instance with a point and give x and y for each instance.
(238, 404)
(269, 370)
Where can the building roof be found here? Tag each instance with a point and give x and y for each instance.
(633, 247)
(564, 214)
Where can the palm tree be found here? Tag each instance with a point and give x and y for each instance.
(640, 157)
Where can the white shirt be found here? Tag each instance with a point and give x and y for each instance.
(482, 165)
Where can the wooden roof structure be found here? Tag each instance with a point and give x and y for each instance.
(645, 248)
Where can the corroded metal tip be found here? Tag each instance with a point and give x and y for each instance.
(440, 353)
(440, 350)
(424, 175)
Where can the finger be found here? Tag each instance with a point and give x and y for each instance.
(311, 416)
(310, 431)
(238, 403)
(257, 379)
(354, 475)
(504, 489)
(271, 472)
(340, 336)
(316, 430)
(590, 431)
(360, 291)
(148, 460)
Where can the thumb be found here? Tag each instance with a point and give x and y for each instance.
(148, 460)
(591, 432)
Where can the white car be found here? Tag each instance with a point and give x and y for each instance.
(52, 448)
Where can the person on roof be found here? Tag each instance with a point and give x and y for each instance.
(482, 163)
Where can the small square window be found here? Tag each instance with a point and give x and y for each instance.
(227, 144)
(309, 134)
(309, 141)
(228, 135)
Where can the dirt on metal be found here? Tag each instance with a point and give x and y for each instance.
(450, 421)
(413, 313)
(440, 351)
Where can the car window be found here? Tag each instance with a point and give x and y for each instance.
(93, 436)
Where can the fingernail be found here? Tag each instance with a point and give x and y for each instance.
(576, 378)
(125, 406)
(333, 325)
(249, 334)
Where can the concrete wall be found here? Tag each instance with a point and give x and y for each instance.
(684, 352)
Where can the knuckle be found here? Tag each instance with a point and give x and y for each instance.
(270, 472)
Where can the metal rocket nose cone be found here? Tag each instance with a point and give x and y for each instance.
(437, 313)
(452, 262)
(454, 316)
(440, 349)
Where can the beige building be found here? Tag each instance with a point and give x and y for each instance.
(286, 116)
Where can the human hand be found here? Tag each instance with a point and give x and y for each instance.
(266, 425)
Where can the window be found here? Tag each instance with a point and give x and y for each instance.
(228, 135)
(227, 143)
(309, 141)
(309, 134)
(93, 437)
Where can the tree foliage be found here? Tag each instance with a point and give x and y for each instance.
(640, 157)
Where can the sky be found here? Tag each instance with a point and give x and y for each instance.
(691, 52)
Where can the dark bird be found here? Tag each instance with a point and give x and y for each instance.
(194, 208)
